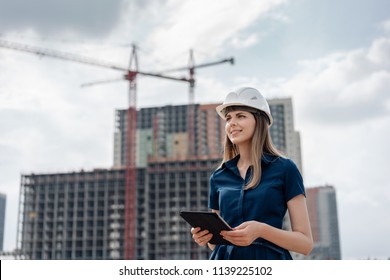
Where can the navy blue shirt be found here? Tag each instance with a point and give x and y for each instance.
(266, 203)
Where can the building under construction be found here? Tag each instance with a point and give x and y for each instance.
(162, 132)
(81, 215)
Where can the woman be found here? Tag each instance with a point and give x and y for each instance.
(254, 187)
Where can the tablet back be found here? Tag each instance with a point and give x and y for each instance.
(207, 220)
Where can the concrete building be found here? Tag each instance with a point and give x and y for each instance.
(12, 255)
(322, 207)
(81, 215)
(283, 132)
(76, 215)
(164, 132)
(171, 186)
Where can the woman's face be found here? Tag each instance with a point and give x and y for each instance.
(240, 127)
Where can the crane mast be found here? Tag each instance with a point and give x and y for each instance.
(131, 73)
(191, 94)
(131, 170)
(191, 106)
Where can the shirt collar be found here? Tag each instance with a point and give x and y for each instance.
(266, 159)
(231, 163)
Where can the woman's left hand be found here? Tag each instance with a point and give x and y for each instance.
(244, 234)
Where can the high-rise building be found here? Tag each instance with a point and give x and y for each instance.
(80, 215)
(283, 132)
(3, 200)
(164, 132)
(322, 207)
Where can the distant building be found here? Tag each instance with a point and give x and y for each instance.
(283, 132)
(12, 255)
(3, 200)
(81, 215)
(78, 215)
(164, 132)
(322, 207)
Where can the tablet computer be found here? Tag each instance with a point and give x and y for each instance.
(211, 221)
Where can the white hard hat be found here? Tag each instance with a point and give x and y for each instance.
(248, 97)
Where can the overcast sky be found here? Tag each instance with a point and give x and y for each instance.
(331, 57)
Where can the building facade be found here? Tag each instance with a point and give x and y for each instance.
(78, 215)
(322, 207)
(81, 215)
(171, 186)
(283, 132)
(164, 132)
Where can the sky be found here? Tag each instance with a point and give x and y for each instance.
(331, 57)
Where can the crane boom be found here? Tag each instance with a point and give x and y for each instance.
(230, 60)
(85, 60)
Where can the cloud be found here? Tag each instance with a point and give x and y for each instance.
(341, 107)
(385, 26)
(344, 87)
(205, 25)
(54, 17)
(240, 42)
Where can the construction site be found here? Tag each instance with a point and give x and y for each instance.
(163, 157)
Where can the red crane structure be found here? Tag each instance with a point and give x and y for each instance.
(191, 98)
(131, 73)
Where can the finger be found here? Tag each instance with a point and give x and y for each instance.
(232, 233)
(242, 226)
(237, 241)
(203, 240)
(195, 230)
(199, 235)
(231, 240)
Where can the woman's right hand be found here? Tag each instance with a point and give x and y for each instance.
(201, 237)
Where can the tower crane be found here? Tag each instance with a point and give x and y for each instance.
(191, 81)
(130, 73)
(191, 108)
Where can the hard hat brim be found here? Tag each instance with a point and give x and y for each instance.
(220, 110)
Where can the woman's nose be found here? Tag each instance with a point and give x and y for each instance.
(233, 122)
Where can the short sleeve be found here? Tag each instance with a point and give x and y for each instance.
(213, 195)
(293, 184)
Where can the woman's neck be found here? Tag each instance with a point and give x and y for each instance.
(245, 156)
